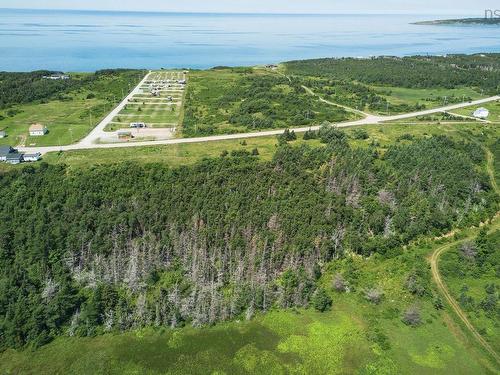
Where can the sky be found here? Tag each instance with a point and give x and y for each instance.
(472, 8)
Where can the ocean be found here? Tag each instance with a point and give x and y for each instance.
(91, 40)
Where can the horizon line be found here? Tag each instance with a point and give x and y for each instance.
(352, 12)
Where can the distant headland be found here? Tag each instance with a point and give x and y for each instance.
(462, 21)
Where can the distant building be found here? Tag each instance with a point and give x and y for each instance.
(4, 151)
(37, 130)
(137, 125)
(56, 77)
(32, 157)
(481, 113)
(3, 134)
(14, 158)
(181, 81)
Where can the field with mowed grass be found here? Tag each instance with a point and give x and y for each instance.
(431, 98)
(493, 108)
(71, 112)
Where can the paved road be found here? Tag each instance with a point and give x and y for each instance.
(98, 131)
(89, 142)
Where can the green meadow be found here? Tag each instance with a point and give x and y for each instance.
(379, 136)
(434, 97)
(71, 115)
(493, 107)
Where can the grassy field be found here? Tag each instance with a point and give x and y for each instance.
(68, 119)
(173, 155)
(493, 107)
(379, 136)
(155, 111)
(429, 97)
(221, 101)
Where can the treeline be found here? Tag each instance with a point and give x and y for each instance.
(22, 88)
(115, 247)
(452, 71)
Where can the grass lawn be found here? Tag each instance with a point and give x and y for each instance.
(430, 97)
(493, 107)
(173, 155)
(70, 119)
(66, 121)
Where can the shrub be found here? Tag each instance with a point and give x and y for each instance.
(321, 300)
(374, 295)
(412, 316)
(339, 283)
(360, 134)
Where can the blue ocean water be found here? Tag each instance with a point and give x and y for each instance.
(88, 40)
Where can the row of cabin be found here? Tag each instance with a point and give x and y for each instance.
(12, 156)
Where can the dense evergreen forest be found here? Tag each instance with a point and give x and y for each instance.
(115, 247)
(481, 71)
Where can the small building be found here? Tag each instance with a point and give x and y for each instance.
(181, 81)
(32, 157)
(56, 77)
(14, 158)
(3, 134)
(481, 113)
(137, 125)
(124, 134)
(37, 130)
(4, 151)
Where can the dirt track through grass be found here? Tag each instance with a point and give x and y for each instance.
(434, 260)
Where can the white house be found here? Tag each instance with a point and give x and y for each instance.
(32, 157)
(481, 113)
(37, 130)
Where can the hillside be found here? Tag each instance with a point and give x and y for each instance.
(121, 247)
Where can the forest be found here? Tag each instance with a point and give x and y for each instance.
(481, 71)
(23, 88)
(116, 247)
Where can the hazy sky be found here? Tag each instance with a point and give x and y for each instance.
(474, 8)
